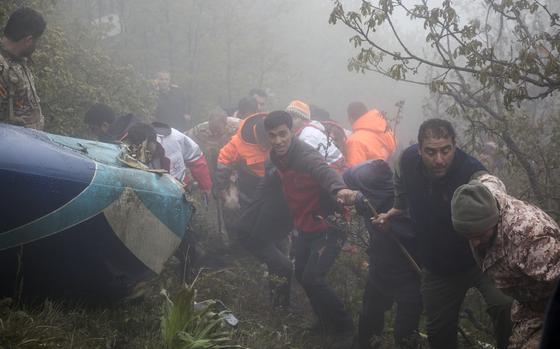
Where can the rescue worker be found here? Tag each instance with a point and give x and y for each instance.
(183, 153)
(371, 137)
(173, 151)
(166, 148)
(102, 122)
(242, 157)
(260, 96)
(392, 277)
(213, 134)
(246, 106)
(314, 134)
(259, 221)
(19, 101)
(263, 228)
(426, 176)
(310, 187)
(172, 108)
(338, 134)
(142, 138)
(333, 129)
(517, 245)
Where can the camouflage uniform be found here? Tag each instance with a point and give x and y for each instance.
(524, 262)
(210, 143)
(19, 101)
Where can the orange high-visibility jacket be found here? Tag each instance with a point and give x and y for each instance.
(371, 139)
(243, 147)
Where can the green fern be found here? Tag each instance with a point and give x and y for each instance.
(186, 326)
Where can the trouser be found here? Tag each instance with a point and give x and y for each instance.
(315, 253)
(372, 319)
(275, 256)
(443, 296)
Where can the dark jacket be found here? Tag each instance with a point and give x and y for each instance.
(374, 180)
(119, 128)
(266, 218)
(551, 335)
(309, 185)
(172, 107)
(442, 250)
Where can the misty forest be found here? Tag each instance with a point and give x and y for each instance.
(102, 246)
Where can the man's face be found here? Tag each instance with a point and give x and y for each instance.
(483, 240)
(217, 126)
(99, 130)
(29, 44)
(437, 155)
(261, 103)
(297, 122)
(280, 139)
(163, 81)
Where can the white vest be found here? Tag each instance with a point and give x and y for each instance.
(314, 135)
(180, 150)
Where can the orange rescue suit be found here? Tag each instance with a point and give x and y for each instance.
(242, 149)
(371, 139)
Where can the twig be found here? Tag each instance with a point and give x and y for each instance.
(185, 262)
(403, 249)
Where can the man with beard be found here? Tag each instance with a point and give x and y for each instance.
(426, 177)
(19, 102)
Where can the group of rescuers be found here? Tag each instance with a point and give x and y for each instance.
(439, 225)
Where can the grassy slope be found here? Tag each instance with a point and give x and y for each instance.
(231, 276)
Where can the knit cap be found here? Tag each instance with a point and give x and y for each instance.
(473, 209)
(299, 109)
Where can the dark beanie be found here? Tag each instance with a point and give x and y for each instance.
(473, 209)
(373, 178)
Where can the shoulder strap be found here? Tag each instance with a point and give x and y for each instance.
(324, 131)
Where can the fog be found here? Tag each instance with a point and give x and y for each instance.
(218, 50)
(322, 56)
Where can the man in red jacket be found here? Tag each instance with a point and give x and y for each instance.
(312, 189)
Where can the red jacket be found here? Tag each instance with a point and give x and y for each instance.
(309, 185)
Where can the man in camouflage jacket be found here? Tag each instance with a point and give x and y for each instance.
(213, 134)
(517, 244)
(19, 101)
